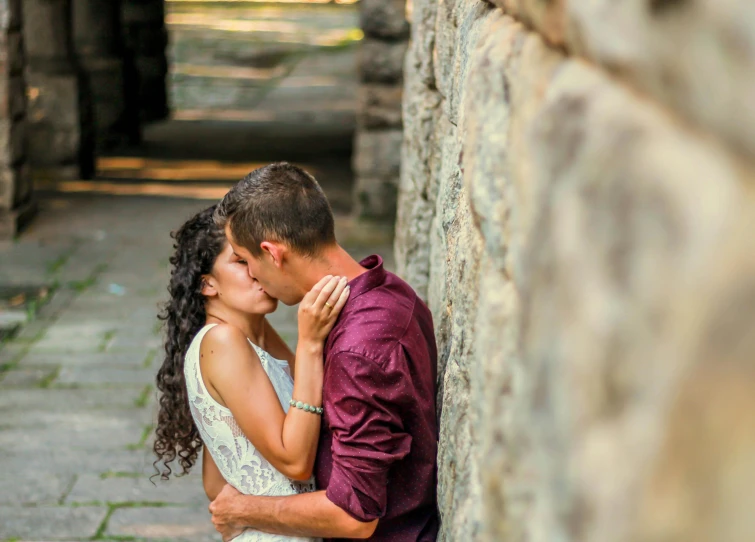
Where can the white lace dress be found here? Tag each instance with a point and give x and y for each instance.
(238, 460)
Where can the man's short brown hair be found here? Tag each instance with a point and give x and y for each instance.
(279, 202)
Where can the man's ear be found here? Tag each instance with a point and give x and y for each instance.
(209, 288)
(275, 251)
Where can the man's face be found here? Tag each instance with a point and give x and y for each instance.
(276, 282)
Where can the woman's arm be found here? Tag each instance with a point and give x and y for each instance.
(212, 480)
(232, 369)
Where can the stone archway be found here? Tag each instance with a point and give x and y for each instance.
(94, 73)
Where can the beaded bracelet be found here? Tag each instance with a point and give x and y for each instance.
(305, 407)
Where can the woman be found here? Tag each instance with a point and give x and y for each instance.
(226, 379)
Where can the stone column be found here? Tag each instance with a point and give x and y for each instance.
(377, 148)
(16, 198)
(59, 136)
(99, 48)
(146, 39)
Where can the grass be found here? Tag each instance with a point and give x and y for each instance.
(149, 358)
(47, 381)
(56, 265)
(145, 435)
(79, 286)
(119, 474)
(112, 507)
(13, 363)
(106, 338)
(82, 285)
(143, 398)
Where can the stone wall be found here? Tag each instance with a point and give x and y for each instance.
(145, 36)
(16, 201)
(577, 205)
(377, 146)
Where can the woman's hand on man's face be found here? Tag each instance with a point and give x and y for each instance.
(320, 308)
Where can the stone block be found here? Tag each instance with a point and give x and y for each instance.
(16, 96)
(416, 193)
(547, 17)
(384, 19)
(53, 117)
(26, 377)
(15, 187)
(377, 154)
(50, 522)
(472, 24)
(33, 486)
(422, 44)
(15, 52)
(46, 40)
(709, 81)
(163, 523)
(119, 488)
(89, 432)
(68, 400)
(381, 61)
(14, 13)
(375, 198)
(105, 376)
(12, 221)
(12, 141)
(379, 106)
(140, 12)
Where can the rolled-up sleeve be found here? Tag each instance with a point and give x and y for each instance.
(364, 401)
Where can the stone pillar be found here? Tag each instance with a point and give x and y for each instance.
(16, 198)
(146, 39)
(377, 148)
(99, 48)
(58, 108)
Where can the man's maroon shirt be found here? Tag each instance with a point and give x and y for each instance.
(379, 438)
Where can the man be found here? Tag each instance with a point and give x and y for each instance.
(376, 461)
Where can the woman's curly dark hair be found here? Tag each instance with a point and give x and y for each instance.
(197, 245)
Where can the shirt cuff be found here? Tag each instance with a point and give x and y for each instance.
(344, 493)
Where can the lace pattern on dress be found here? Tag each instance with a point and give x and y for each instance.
(237, 459)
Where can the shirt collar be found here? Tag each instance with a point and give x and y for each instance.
(374, 277)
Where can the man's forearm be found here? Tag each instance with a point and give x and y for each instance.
(308, 514)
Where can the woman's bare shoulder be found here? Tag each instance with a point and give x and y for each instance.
(228, 342)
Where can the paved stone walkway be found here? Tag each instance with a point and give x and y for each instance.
(77, 399)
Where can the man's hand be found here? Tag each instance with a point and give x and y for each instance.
(224, 517)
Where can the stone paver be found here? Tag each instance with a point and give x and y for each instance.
(163, 523)
(77, 392)
(51, 523)
(126, 487)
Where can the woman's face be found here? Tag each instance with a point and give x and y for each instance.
(235, 288)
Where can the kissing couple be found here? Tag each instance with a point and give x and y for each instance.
(335, 441)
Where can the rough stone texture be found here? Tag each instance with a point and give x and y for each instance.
(376, 163)
(58, 114)
(384, 18)
(381, 61)
(51, 523)
(128, 488)
(161, 523)
(100, 53)
(16, 203)
(588, 261)
(377, 145)
(380, 106)
(709, 80)
(146, 65)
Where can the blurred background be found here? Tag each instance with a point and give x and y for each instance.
(569, 186)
